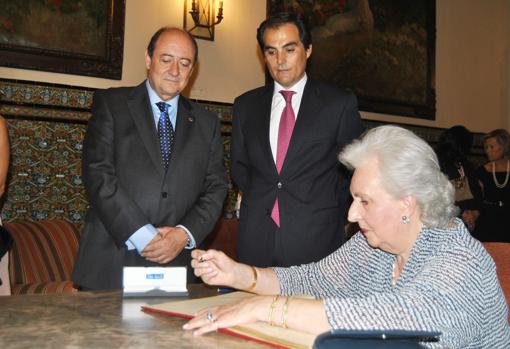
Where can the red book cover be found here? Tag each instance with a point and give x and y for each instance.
(274, 336)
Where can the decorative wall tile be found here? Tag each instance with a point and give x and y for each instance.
(47, 124)
(45, 171)
(46, 128)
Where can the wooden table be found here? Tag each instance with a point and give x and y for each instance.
(101, 320)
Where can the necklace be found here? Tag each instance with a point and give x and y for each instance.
(494, 174)
(397, 268)
(393, 276)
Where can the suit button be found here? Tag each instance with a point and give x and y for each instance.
(164, 195)
(268, 212)
(279, 185)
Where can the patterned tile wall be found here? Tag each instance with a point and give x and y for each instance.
(45, 171)
(46, 127)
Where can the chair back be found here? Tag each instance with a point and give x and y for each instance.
(223, 237)
(42, 256)
(500, 252)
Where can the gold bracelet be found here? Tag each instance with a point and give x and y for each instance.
(271, 309)
(255, 278)
(284, 312)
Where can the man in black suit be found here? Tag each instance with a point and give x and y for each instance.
(152, 168)
(295, 192)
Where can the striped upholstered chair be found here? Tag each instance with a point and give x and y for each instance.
(42, 257)
(500, 252)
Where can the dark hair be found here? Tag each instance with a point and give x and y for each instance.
(274, 22)
(502, 137)
(454, 145)
(154, 39)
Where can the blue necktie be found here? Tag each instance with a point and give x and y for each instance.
(165, 133)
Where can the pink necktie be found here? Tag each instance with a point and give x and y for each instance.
(285, 129)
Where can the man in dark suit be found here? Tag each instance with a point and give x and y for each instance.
(152, 168)
(285, 141)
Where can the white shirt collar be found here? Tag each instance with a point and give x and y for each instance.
(298, 87)
(154, 98)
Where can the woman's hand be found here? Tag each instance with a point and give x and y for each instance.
(246, 311)
(216, 268)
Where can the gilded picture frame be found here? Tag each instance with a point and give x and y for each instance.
(79, 37)
(382, 50)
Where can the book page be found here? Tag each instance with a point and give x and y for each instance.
(260, 331)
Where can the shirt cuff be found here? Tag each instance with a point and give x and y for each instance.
(141, 238)
(192, 243)
(130, 245)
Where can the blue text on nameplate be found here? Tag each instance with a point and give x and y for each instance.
(154, 276)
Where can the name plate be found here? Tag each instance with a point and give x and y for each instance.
(154, 281)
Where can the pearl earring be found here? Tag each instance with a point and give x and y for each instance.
(405, 220)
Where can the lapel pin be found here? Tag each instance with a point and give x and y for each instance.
(191, 119)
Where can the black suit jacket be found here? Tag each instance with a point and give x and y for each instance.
(127, 186)
(312, 187)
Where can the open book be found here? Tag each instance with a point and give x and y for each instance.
(262, 332)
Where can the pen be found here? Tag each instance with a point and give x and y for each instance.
(223, 290)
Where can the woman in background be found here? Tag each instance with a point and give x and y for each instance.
(412, 266)
(494, 221)
(4, 155)
(4, 166)
(452, 149)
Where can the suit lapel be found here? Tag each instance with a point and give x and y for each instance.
(141, 113)
(308, 111)
(185, 121)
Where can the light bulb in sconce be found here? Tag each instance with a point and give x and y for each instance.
(202, 16)
(219, 17)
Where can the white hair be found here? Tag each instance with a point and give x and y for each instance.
(407, 166)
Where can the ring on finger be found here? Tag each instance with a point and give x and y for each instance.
(210, 316)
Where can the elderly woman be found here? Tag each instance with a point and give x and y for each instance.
(494, 217)
(412, 266)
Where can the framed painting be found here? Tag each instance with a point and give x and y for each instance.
(81, 37)
(382, 50)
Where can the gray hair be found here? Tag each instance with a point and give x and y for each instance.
(407, 166)
(502, 137)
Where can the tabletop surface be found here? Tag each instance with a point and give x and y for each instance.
(101, 320)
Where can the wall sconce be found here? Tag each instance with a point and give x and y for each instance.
(199, 17)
